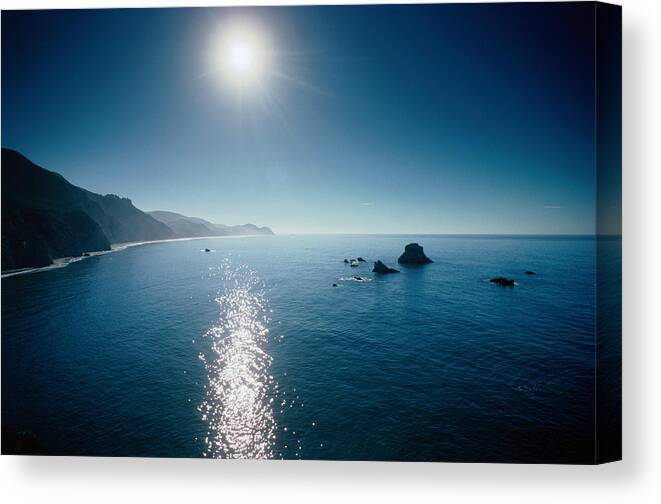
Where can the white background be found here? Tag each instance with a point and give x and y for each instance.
(636, 479)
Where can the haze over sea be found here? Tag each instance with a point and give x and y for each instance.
(249, 351)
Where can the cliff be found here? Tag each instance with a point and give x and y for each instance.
(45, 217)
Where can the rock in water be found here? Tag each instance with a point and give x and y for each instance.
(360, 259)
(379, 267)
(413, 254)
(346, 261)
(530, 273)
(505, 282)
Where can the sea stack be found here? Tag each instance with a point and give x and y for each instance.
(413, 254)
(379, 267)
(505, 282)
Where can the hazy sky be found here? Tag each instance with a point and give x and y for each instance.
(414, 119)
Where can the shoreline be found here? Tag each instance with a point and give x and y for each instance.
(61, 262)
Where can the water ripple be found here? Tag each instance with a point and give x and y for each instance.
(238, 404)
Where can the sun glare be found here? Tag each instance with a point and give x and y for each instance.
(241, 55)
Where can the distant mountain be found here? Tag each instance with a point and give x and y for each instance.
(194, 226)
(126, 223)
(45, 217)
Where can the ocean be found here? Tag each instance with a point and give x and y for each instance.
(165, 350)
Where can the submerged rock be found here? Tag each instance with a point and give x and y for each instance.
(379, 267)
(334, 285)
(505, 282)
(530, 273)
(413, 254)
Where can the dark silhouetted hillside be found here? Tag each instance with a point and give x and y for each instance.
(45, 217)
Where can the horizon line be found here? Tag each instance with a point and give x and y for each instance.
(449, 234)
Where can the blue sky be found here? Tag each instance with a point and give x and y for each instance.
(395, 119)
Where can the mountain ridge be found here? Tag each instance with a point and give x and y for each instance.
(45, 217)
(201, 227)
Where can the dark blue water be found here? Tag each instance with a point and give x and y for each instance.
(248, 351)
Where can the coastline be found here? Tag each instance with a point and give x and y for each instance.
(62, 262)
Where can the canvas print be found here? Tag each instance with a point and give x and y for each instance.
(375, 233)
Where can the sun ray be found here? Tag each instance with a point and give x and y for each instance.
(303, 84)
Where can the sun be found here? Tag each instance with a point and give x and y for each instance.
(242, 56)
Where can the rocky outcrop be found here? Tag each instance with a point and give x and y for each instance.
(413, 254)
(505, 282)
(379, 267)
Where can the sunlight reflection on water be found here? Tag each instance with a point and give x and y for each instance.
(238, 405)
